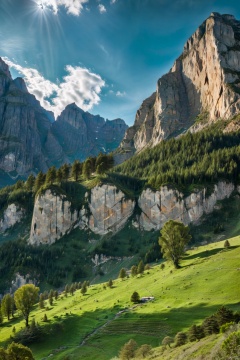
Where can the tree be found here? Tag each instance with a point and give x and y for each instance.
(41, 301)
(87, 169)
(162, 266)
(76, 170)
(143, 351)
(7, 305)
(30, 182)
(224, 315)
(51, 175)
(134, 270)
(110, 283)
(128, 350)
(25, 297)
(84, 288)
(135, 298)
(65, 169)
(180, 338)
(226, 244)
(168, 340)
(140, 269)
(174, 237)
(210, 325)
(195, 333)
(16, 352)
(122, 274)
(40, 179)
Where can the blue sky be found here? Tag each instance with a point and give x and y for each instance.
(105, 55)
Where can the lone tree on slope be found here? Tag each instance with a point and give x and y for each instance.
(174, 237)
(25, 297)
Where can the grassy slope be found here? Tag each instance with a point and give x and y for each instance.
(209, 278)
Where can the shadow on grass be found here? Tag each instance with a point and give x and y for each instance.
(207, 253)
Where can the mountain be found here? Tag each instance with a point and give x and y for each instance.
(82, 134)
(31, 140)
(204, 80)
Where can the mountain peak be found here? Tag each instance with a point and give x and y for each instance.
(20, 84)
(4, 68)
(204, 79)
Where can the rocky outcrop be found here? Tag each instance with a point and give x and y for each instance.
(158, 207)
(107, 210)
(31, 140)
(52, 218)
(11, 215)
(206, 77)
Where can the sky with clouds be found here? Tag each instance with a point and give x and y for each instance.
(104, 55)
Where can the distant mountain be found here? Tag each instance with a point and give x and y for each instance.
(204, 80)
(31, 140)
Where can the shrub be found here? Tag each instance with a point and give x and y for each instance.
(180, 338)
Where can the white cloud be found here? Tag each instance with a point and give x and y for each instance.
(101, 8)
(73, 7)
(120, 94)
(113, 2)
(79, 85)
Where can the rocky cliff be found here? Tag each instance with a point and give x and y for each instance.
(30, 139)
(205, 78)
(107, 210)
(82, 134)
(11, 215)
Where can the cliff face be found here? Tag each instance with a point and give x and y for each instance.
(30, 139)
(82, 134)
(108, 210)
(206, 77)
(11, 215)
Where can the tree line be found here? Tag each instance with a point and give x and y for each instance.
(199, 158)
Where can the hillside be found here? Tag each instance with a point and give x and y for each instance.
(208, 279)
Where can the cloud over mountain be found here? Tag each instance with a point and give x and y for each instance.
(80, 85)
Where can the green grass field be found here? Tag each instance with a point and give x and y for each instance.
(90, 326)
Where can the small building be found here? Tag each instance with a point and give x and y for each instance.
(146, 299)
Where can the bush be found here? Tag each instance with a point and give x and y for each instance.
(180, 338)
(168, 340)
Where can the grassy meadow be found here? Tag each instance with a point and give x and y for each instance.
(97, 324)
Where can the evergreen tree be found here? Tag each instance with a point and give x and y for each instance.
(134, 270)
(65, 169)
(84, 288)
(135, 298)
(226, 244)
(87, 169)
(41, 301)
(180, 338)
(30, 182)
(51, 175)
(76, 170)
(140, 269)
(40, 179)
(110, 283)
(122, 274)
(7, 305)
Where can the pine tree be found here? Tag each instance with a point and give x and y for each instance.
(140, 269)
(76, 170)
(135, 298)
(122, 274)
(134, 270)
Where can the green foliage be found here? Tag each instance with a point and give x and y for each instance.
(195, 333)
(191, 159)
(140, 268)
(128, 350)
(143, 351)
(134, 270)
(135, 297)
(226, 244)
(7, 306)
(168, 340)
(230, 347)
(122, 274)
(25, 297)
(16, 351)
(174, 238)
(180, 338)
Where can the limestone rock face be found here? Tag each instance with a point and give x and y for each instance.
(161, 206)
(52, 218)
(110, 209)
(12, 215)
(206, 77)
